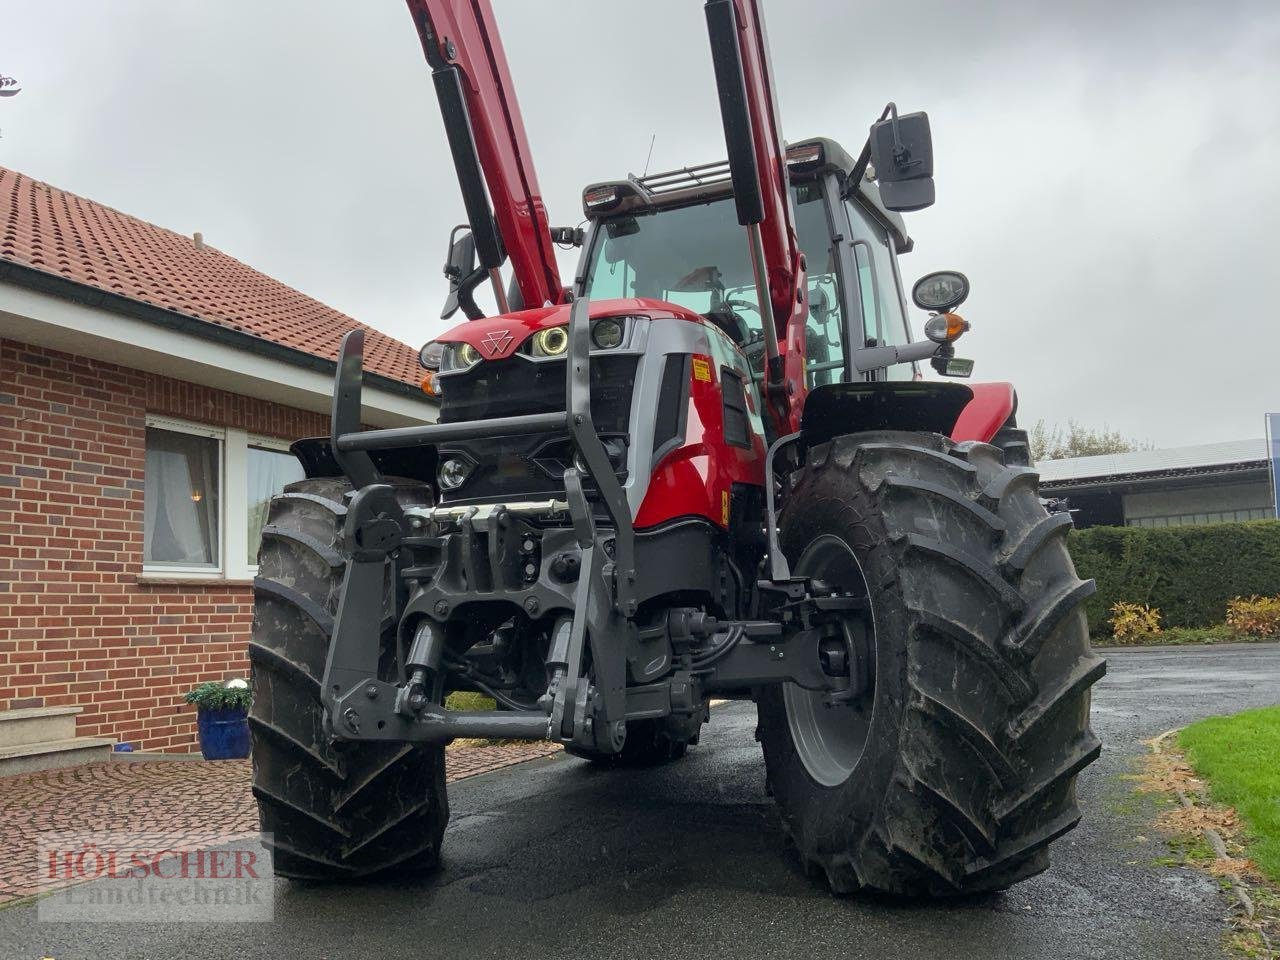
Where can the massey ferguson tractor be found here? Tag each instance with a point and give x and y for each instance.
(709, 467)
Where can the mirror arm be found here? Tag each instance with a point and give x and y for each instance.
(866, 359)
(462, 294)
(859, 169)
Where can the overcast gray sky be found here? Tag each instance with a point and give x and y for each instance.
(1108, 172)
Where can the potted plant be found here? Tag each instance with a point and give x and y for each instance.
(222, 718)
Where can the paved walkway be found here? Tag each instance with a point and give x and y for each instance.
(687, 860)
(181, 797)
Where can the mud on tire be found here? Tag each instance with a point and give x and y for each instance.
(979, 716)
(330, 810)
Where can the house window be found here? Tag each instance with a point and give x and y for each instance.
(182, 499)
(1188, 519)
(268, 470)
(206, 495)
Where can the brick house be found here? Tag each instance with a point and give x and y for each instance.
(149, 388)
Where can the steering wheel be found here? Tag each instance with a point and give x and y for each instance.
(747, 304)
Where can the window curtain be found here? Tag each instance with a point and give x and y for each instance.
(269, 472)
(181, 499)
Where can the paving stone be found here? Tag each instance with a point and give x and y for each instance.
(181, 798)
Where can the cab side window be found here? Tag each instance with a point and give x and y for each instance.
(878, 287)
(824, 331)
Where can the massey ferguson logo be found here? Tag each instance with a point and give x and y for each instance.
(497, 341)
(9, 87)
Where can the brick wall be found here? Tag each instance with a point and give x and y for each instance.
(78, 622)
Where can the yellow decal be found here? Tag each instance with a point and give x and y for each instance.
(701, 369)
(724, 507)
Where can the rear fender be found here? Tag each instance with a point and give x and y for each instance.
(993, 405)
(960, 411)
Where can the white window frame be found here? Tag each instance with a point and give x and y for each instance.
(233, 501)
(192, 572)
(264, 443)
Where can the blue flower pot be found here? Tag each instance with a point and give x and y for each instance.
(224, 734)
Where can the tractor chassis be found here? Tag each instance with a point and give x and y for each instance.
(581, 573)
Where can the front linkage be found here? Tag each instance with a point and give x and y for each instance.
(524, 557)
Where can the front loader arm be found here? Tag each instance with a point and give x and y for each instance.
(758, 164)
(487, 138)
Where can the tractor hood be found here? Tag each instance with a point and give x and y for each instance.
(499, 337)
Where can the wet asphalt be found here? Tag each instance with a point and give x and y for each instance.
(556, 858)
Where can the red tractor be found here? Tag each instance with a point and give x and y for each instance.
(706, 468)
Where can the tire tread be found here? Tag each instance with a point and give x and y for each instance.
(329, 810)
(979, 791)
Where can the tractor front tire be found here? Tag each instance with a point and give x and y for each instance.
(955, 768)
(329, 810)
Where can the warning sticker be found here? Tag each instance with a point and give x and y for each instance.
(702, 369)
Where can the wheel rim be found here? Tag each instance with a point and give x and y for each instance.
(830, 740)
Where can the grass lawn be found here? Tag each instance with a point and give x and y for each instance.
(1178, 636)
(465, 700)
(1239, 757)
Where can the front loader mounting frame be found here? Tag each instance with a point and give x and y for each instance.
(376, 529)
(583, 581)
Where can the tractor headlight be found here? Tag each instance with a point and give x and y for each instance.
(607, 333)
(551, 342)
(431, 355)
(453, 473)
(459, 356)
(945, 327)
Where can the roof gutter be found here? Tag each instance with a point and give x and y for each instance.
(42, 281)
(1186, 476)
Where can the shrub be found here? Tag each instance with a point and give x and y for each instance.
(1130, 619)
(1178, 636)
(1255, 616)
(1189, 573)
(216, 696)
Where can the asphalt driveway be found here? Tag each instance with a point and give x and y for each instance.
(555, 858)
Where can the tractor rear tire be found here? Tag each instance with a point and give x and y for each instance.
(329, 810)
(955, 769)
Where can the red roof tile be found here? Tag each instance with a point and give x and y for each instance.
(63, 234)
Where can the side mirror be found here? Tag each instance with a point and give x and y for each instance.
(940, 292)
(462, 255)
(902, 151)
(463, 274)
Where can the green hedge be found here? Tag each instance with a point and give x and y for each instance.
(1188, 572)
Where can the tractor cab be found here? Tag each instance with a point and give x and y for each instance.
(675, 237)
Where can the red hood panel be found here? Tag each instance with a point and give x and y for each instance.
(499, 337)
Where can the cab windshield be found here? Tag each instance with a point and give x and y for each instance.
(692, 256)
(697, 257)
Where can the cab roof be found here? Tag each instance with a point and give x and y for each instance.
(705, 182)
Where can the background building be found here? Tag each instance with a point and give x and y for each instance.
(1210, 483)
(149, 388)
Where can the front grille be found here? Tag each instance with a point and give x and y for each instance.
(528, 466)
